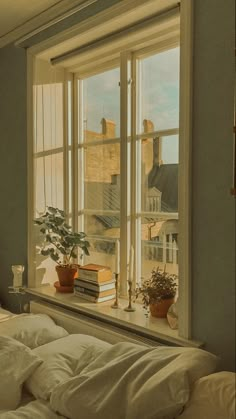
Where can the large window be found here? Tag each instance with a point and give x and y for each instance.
(147, 154)
(157, 139)
(98, 115)
(106, 151)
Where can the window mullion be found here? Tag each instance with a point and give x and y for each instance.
(124, 175)
(80, 156)
(138, 144)
(135, 233)
(80, 160)
(65, 147)
(74, 159)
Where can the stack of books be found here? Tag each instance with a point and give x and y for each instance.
(95, 283)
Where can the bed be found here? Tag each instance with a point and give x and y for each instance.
(57, 366)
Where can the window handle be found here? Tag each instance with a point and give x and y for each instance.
(129, 81)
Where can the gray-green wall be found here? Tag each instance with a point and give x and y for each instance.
(13, 168)
(213, 293)
(213, 296)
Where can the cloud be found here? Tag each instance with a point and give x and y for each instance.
(160, 93)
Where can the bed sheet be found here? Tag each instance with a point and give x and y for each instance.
(36, 409)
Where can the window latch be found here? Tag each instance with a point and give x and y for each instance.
(129, 82)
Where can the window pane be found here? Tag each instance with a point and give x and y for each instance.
(159, 95)
(159, 245)
(159, 182)
(103, 225)
(158, 160)
(102, 177)
(170, 149)
(102, 231)
(49, 182)
(49, 116)
(101, 106)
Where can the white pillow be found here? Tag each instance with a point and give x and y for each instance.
(32, 329)
(17, 362)
(5, 313)
(134, 382)
(212, 397)
(63, 359)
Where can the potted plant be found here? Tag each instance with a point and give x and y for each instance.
(158, 292)
(60, 243)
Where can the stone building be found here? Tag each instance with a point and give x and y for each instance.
(159, 192)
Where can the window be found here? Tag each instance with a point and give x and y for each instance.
(157, 116)
(98, 116)
(150, 208)
(107, 152)
(129, 42)
(138, 38)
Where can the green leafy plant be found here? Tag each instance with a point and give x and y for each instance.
(60, 243)
(160, 286)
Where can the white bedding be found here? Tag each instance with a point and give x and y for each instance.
(83, 377)
(212, 397)
(62, 360)
(37, 409)
(129, 381)
(5, 314)
(17, 364)
(32, 330)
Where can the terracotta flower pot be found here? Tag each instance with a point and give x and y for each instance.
(160, 309)
(66, 274)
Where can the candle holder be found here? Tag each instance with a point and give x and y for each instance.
(116, 302)
(129, 307)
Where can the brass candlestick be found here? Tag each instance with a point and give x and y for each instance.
(116, 302)
(129, 307)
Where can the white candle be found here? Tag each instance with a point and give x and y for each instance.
(117, 255)
(131, 264)
(17, 279)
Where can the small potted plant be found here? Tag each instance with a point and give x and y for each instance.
(60, 243)
(158, 292)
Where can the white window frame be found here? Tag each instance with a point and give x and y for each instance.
(186, 63)
(130, 145)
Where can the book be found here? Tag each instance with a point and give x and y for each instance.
(94, 299)
(101, 286)
(97, 294)
(94, 272)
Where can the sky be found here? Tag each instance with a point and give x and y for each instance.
(159, 98)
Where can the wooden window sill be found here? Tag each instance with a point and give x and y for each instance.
(135, 322)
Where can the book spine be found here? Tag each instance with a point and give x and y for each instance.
(93, 293)
(85, 296)
(94, 286)
(86, 291)
(95, 276)
(86, 284)
(94, 299)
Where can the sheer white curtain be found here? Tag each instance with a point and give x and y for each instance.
(48, 153)
(48, 136)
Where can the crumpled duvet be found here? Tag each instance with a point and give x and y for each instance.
(130, 381)
(37, 409)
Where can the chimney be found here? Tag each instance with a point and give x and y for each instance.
(115, 179)
(148, 125)
(157, 151)
(108, 128)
